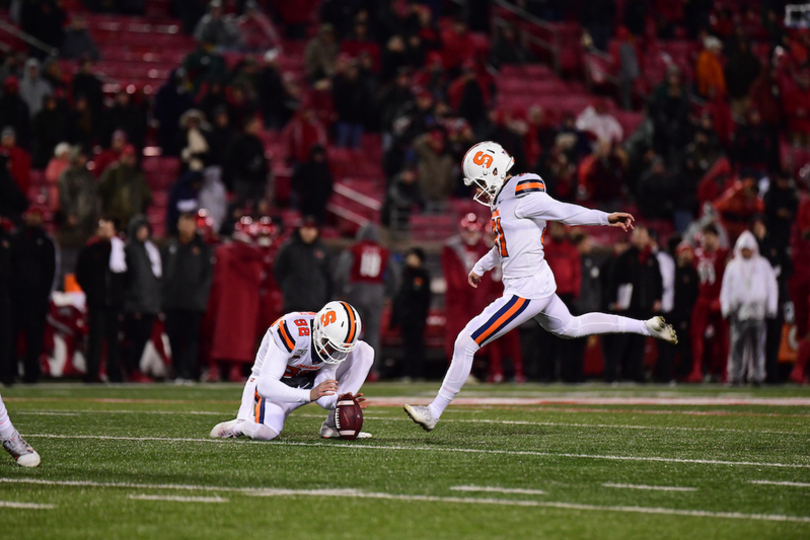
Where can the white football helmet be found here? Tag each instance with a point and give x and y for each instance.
(485, 166)
(336, 332)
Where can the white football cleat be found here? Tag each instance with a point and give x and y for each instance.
(659, 328)
(329, 430)
(21, 451)
(225, 430)
(421, 415)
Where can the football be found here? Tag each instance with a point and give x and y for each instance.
(348, 417)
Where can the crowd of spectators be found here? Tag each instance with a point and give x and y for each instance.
(703, 167)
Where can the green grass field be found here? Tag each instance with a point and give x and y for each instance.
(537, 462)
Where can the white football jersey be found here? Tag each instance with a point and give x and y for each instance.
(520, 212)
(292, 335)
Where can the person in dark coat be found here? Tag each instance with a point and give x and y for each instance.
(125, 115)
(246, 167)
(271, 92)
(303, 270)
(50, 128)
(13, 201)
(171, 101)
(410, 313)
(142, 294)
(85, 83)
(403, 197)
(7, 367)
(635, 290)
(312, 184)
(78, 41)
(221, 136)
(674, 361)
(100, 272)
(188, 267)
(781, 207)
(14, 111)
(184, 196)
(33, 269)
(352, 100)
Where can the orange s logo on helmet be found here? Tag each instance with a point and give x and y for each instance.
(328, 318)
(483, 159)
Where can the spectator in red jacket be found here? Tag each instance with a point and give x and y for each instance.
(296, 16)
(302, 133)
(457, 45)
(19, 161)
(363, 270)
(459, 255)
(710, 263)
(737, 205)
(800, 286)
(359, 42)
(601, 174)
(563, 357)
(110, 155)
(796, 100)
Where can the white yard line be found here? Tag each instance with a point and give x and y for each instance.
(509, 502)
(91, 483)
(394, 401)
(175, 498)
(352, 493)
(775, 483)
(47, 413)
(76, 412)
(30, 506)
(579, 425)
(651, 488)
(350, 446)
(489, 489)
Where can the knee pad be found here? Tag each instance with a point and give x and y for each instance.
(464, 346)
(572, 330)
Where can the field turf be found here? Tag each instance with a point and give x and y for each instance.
(534, 462)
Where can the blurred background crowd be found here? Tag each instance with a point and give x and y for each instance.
(176, 174)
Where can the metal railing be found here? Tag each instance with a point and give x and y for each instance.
(346, 214)
(364, 200)
(28, 38)
(552, 46)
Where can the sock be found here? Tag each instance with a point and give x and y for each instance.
(457, 374)
(6, 427)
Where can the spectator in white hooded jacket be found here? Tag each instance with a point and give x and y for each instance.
(748, 295)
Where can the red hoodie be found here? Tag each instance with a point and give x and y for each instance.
(19, 165)
(563, 259)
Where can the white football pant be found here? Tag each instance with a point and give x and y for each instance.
(263, 418)
(510, 311)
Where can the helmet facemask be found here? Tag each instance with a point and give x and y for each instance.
(329, 349)
(486, 192)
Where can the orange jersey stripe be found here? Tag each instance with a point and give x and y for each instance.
(257, 408)
(502, 319)
(529, 185)
(285, 335)
(353, 324)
